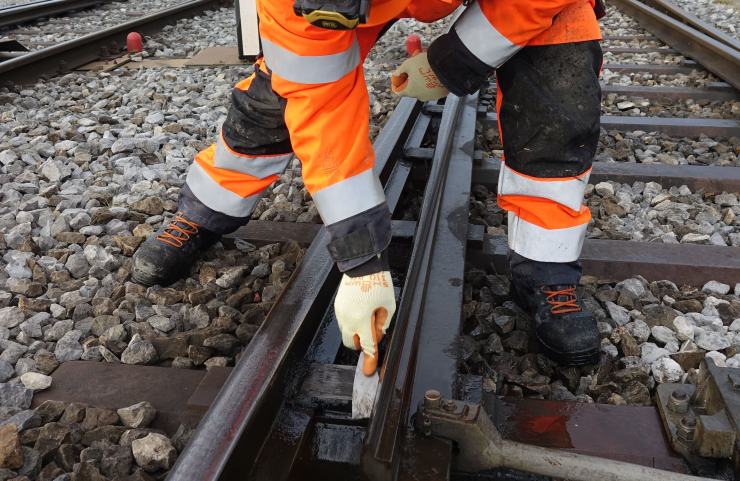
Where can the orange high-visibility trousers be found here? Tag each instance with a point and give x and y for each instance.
(308, 99)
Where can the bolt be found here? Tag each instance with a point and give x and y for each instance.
(678, 402)
(432, 399)
(427, 432)
(686, 427)
(427, 422)
(114, 47)
(104, 51)
(449, 405)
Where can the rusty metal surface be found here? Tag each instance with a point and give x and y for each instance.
(717, 57)
(217, 56)
(600, 430)
(655, 69)
(670, 93)
(165, 388)
(209, 388)
(261, 232)
(612, 259)
(83, 50)
(711, 178)
(618, 50)
(673, 127)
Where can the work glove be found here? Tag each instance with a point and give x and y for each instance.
(415, 78)
(364, 307)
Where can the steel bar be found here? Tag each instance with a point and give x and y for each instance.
(655, 69)
(388, 426)
(670, 9)
(619, 50)
(28, 12)
(232, 433)
(690, 128)
(717, 57)
(672, 93)
(86, 49)
(710, 178)
(690, 264)
(482, 447)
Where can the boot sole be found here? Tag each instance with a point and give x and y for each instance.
(577, 358)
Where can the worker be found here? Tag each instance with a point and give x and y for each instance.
(307, 98)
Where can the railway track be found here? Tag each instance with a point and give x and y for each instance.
(88, 45)
(285, 410)
(283, 413)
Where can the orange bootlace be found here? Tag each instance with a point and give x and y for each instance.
(565, 306)
(179, 241)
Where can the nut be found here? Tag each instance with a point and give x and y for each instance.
(678, 402)
(686, 427)
(449, 405)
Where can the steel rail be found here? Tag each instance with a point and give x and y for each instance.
(714, 55)
(672, 10)
(20, 14)
(388, 428)
(231, 435)
(82, 50)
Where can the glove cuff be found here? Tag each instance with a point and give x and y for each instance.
(455, 66)
(378, 263)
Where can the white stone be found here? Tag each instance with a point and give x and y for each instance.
(36, 381)
(663, 334)
(618, 313)
(711, 341)
(718, 358)
(666, 369)
(714, 287)
(684, 329)
(604, 188)
(651, 352)
(734, 361)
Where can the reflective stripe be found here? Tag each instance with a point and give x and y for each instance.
(545, 245)
(317, 69)
(217, 197)
(565, 192)
(482, 38)
(260, 167)
(349, 197)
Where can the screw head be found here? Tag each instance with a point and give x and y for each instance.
(688, 422)
(679, 396)
(449, 405)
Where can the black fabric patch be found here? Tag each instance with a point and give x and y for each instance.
(255, 124)
(357, 244)
(455, 66)
(377, 222)
(550, 109)
(377, 263)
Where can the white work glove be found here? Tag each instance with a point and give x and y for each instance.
(415, 78)
(364, 307)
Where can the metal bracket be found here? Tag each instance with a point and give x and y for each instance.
(702, 420)
(482, 447)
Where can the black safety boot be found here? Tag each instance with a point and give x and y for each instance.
(166, 257)
(565, 328)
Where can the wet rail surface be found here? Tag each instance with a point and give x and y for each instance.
(284, 412)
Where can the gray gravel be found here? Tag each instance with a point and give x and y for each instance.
(651, 333)
(642, 212)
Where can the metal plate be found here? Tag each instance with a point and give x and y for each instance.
(216, 56)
